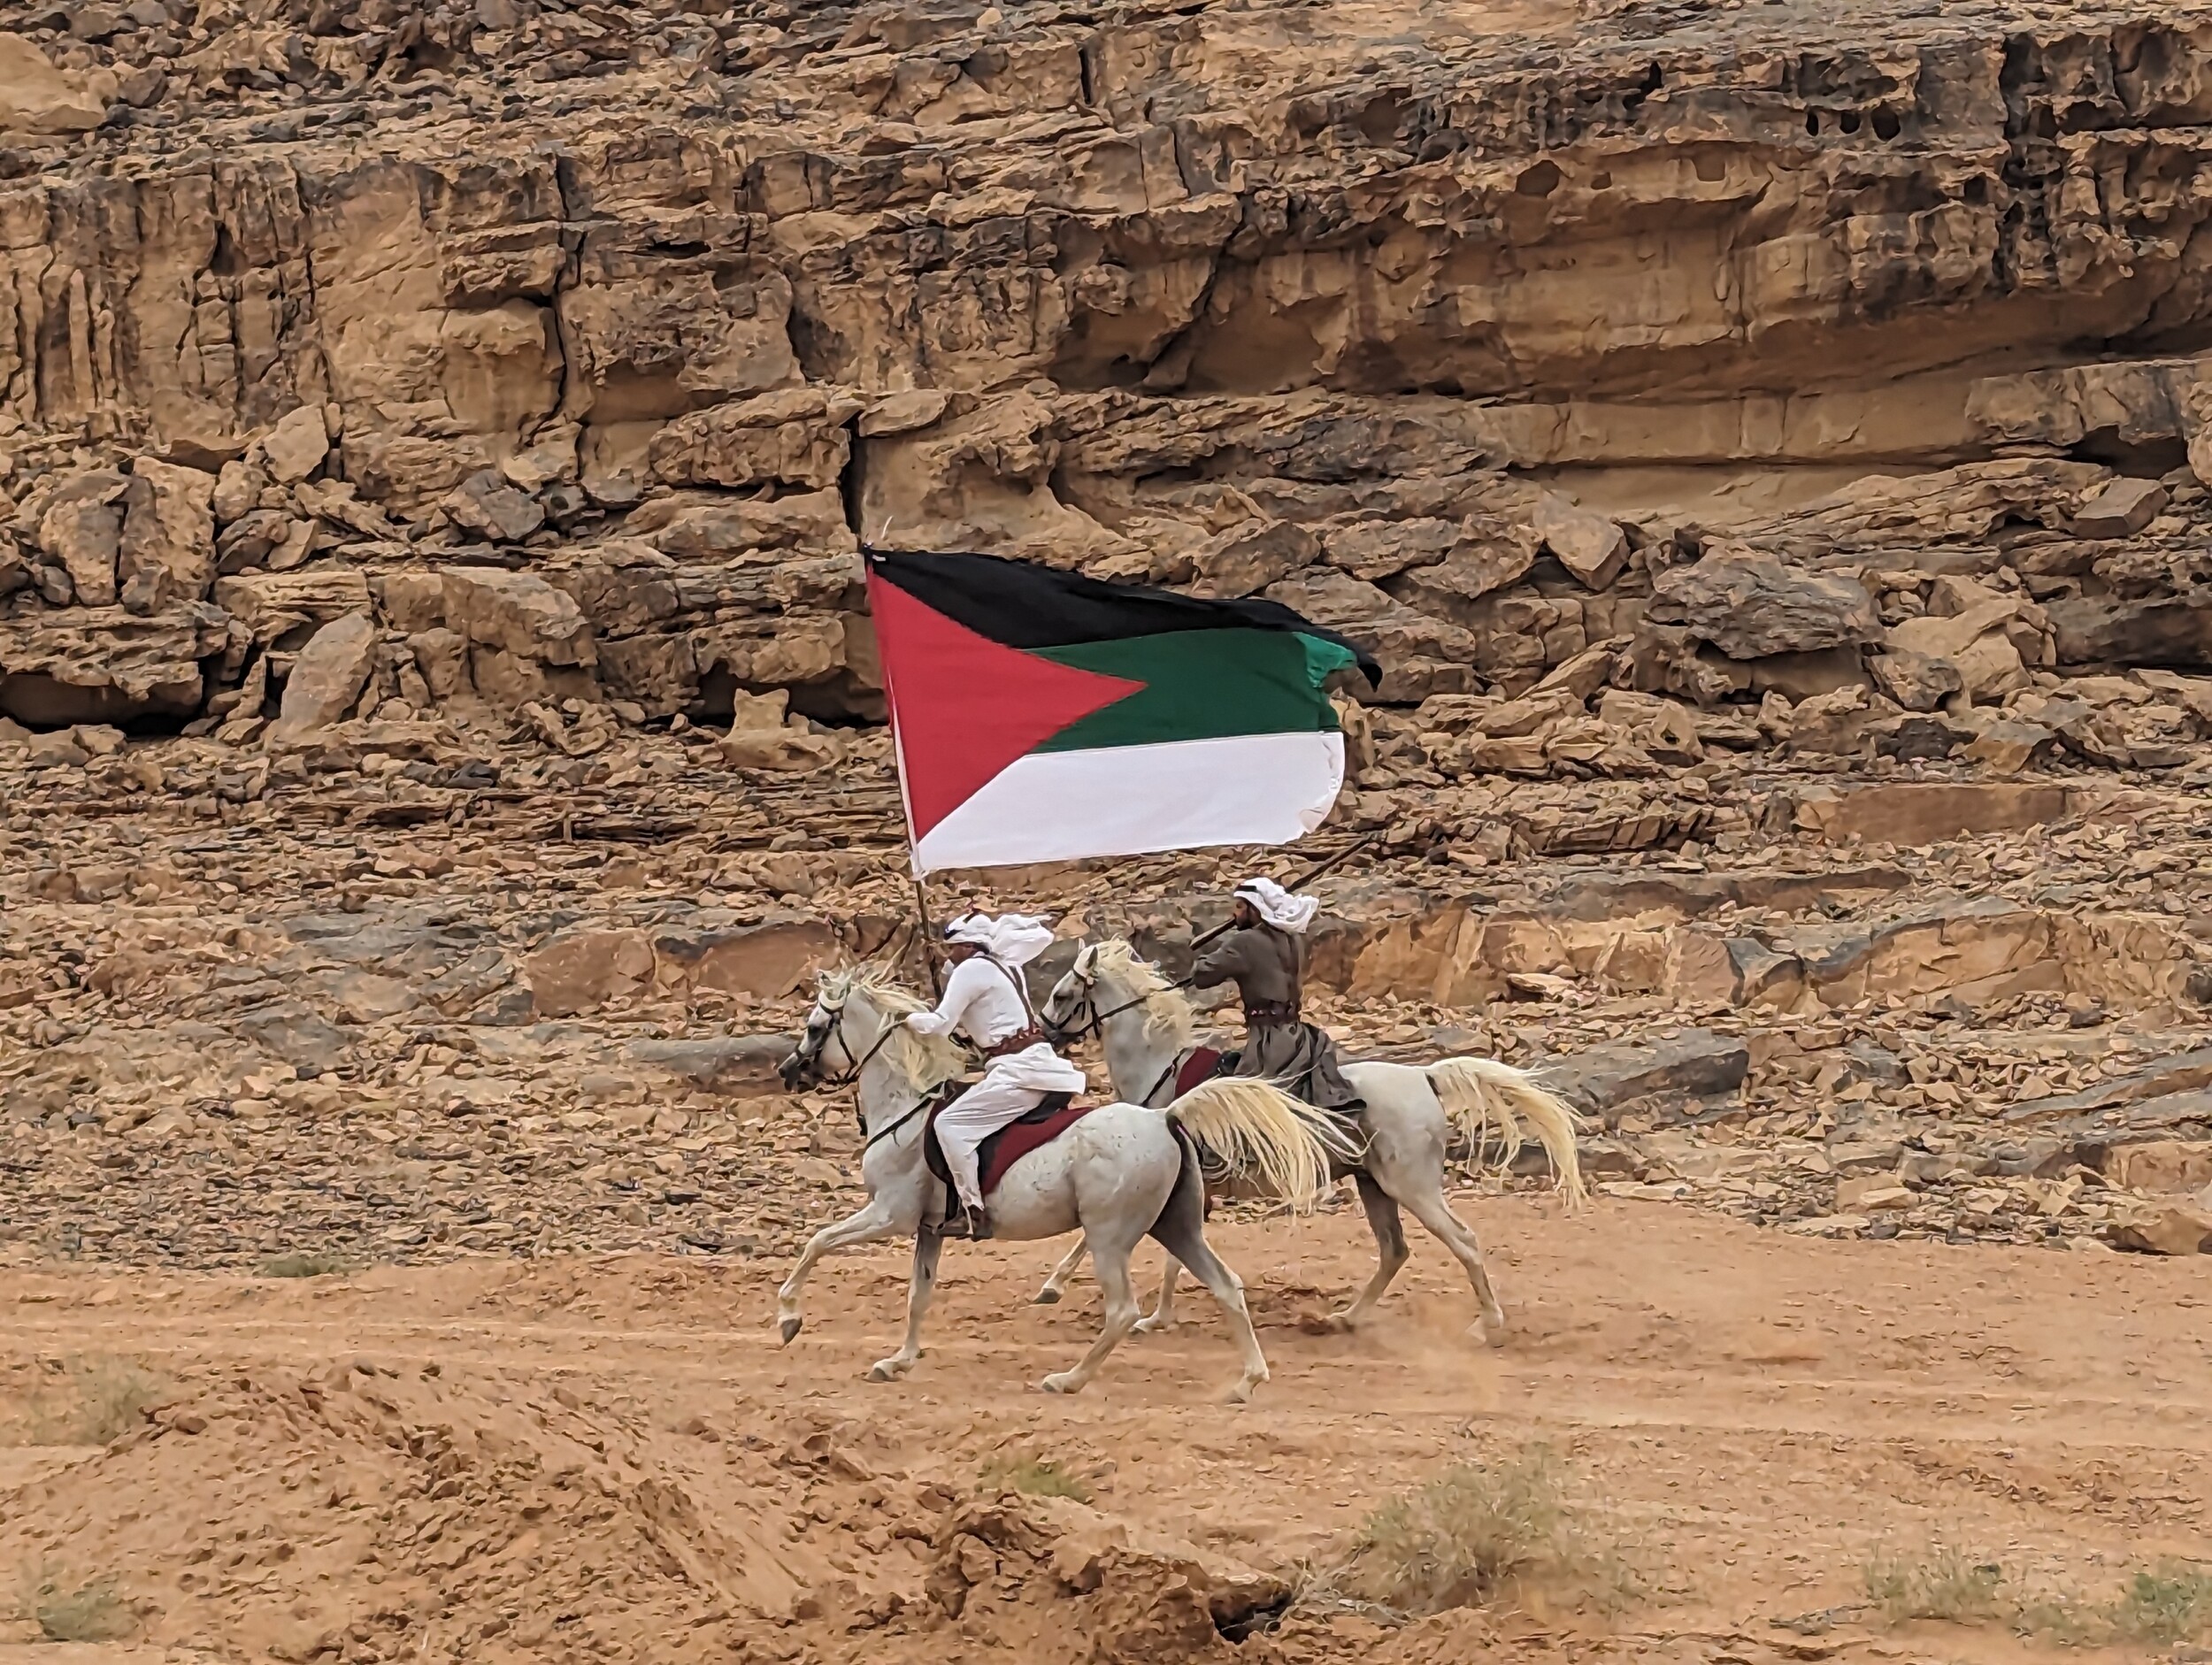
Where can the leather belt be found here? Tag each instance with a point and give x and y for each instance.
(1271, 1013)
(1020, 1040)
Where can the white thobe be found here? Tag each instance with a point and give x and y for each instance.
(982, 1003)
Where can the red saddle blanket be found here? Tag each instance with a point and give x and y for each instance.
(1008, 1146)
(1202, 1065)
(1003, 1149)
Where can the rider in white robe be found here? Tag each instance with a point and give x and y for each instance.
(986, 1001)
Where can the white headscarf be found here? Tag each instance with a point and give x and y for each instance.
(1278, 906)
(1012, 939)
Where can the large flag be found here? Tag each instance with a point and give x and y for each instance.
(1041, 716)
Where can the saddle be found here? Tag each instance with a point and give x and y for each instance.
(1031, 1130)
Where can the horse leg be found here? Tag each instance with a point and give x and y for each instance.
(1110, 1262)
(1056, 1279)
(869, 1225)
(926, 1244)
(1390, 1251)
(1163, 1310)
(1429, 1207)
(1181, 1231)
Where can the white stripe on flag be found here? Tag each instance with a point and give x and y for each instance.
(1134, 800)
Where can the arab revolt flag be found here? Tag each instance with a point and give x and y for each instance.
(1041, 716)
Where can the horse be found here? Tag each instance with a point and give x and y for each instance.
(1121, 1173)
(1144, 1026)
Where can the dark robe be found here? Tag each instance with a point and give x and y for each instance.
(1268, 967)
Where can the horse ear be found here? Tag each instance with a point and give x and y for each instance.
(1087, 960)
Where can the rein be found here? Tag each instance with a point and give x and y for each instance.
(1096, 1026)
(837, 1031)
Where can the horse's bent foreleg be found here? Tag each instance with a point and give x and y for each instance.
(869, 1225)
(926, 1244)
(1428, 1206)
(1057, 1280)
(1390, 1251)
(1112, 1267)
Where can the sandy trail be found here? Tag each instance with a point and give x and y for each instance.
(1753, 1414)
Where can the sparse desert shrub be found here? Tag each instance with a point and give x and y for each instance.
(1034, 1476)
(306, 1265)
(101, 1399)
(1477, 1532)
(82, 1613)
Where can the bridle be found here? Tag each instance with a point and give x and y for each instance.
(1094, 1026)
(836, 1032)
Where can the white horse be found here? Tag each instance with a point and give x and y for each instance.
(1121, 1173)
(1145, 1026)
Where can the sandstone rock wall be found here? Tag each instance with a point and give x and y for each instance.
(541, 370)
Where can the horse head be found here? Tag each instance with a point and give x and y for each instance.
(825, 1022)
(1073, 1005)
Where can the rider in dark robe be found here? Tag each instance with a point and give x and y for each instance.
(1264, 955)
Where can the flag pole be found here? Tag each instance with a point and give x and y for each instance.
(929, 938)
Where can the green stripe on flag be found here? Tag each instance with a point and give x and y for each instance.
(1204, 685)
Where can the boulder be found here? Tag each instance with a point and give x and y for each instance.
(101, 664)
(1249, 556)
(2171, 1166)
(38, 100)
(768, 961)
(486, 504)
(794, 437)
(582, 970)
(2174, 1228)
(786, 751)
(740, 1065)
(2120, 509)
(2154, 630)
(298, 445)
(81, 531)
(1918, 681)
(167, 549)
(1977, 641)
(326, 679)
(517, 613)
(691, 526)
(1471, 568)
(1694, 1064)
(238, 489)
(1591, 547)
(2009, 746)
(1749, 604)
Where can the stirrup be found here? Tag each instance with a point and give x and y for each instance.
(971, 1225)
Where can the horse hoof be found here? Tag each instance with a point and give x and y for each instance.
(886, 1371)
(1339, 1324)
(1063, 1383)
(1491, 1335)
(1152, 1326)
(1045, 1297)
(1241, 1394)
(788, 1329)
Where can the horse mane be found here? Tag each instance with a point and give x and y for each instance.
(927, 1062)
(1167, 1015)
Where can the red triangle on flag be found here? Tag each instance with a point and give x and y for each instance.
(965, 707)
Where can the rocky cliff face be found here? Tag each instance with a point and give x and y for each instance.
(1676, 351)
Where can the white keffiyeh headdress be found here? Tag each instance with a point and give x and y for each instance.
(1012, 939)
(1278, 906)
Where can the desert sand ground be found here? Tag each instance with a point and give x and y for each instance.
(611, 1457)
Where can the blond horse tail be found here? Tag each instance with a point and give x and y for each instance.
(1482, 1097)
(1262, 1134)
